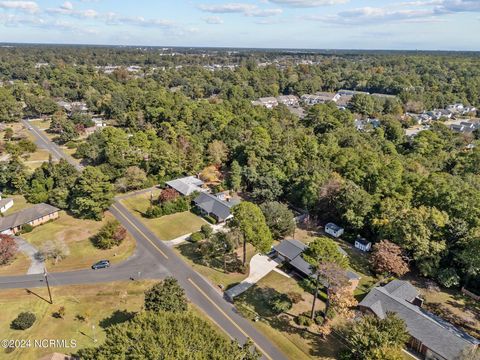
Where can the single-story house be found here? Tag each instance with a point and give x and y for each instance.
(363, 244)
(290, 251)
(334, 230)
(33, 216)
(213, 205)
(187, 185)
(431, 336)
(5, 204)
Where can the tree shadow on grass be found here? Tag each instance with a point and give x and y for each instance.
(117, 317)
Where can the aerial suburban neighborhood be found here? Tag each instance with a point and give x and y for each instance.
(250, 193)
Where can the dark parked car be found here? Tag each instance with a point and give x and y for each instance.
(102, 264)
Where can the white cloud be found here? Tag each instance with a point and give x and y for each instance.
(308, 3)
(26, 6)
(213, 20)
(371, 15)
(239, 8)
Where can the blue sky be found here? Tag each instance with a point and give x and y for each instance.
(321, 24)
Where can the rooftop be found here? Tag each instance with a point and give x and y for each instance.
(434, 332)
(25, 216)
(213, 205)
(187, 185)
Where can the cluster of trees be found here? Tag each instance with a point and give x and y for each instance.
(420, 194)
(87, 194)
(166, 329)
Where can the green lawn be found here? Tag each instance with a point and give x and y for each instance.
(112, 303)
(76, 234)
(166, 227)
(296, 343)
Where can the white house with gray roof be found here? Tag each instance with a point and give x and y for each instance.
(431, 336)
(186, 185)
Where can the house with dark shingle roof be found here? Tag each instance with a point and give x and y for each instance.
(215, 206)
(431, 336)
(290, 252)
(33, 216)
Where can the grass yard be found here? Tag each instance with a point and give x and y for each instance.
(167, 227)
(76, 234)
(102, 305)
(296, 343)
(216, 275)
(19, 203)
(18, 266)
(41, 124)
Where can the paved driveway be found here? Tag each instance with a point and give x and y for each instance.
(260, 266)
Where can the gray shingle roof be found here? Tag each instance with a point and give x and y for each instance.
(290, 249)
(435, 333)
(187, 185)
(25, 216)
(293, 250)
(213, 205)
(333, 227)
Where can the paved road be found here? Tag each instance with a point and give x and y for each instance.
(198, 290)
(44, 142)
(153, 259)
(141, 265)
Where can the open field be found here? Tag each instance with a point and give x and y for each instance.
(19, 203)
(102, 306)
(296, 343)
(167, 227)
(76, 234)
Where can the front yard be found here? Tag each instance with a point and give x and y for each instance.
(167, 227)
(216, 275)
(17, 267)
(294, 341)
(76, 233)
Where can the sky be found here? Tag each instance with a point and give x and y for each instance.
(316, 24)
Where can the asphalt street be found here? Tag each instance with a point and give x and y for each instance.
(152, 259)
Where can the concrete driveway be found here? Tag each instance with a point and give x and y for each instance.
(260, 266)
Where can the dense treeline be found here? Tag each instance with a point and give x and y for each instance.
(423, 194)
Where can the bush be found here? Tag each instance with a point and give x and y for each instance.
(280, 303)
(448, 277)
(210, 219)
(304, 320)
(330, 314)
(295, 297)
(110, 235)
(27, 228)
(319, 319)
(23, 321)
(196, 237)
(168, 208)
(206, 230)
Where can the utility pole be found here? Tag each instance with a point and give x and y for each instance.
(48, 286)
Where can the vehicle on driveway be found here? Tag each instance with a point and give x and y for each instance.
(102, 264)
